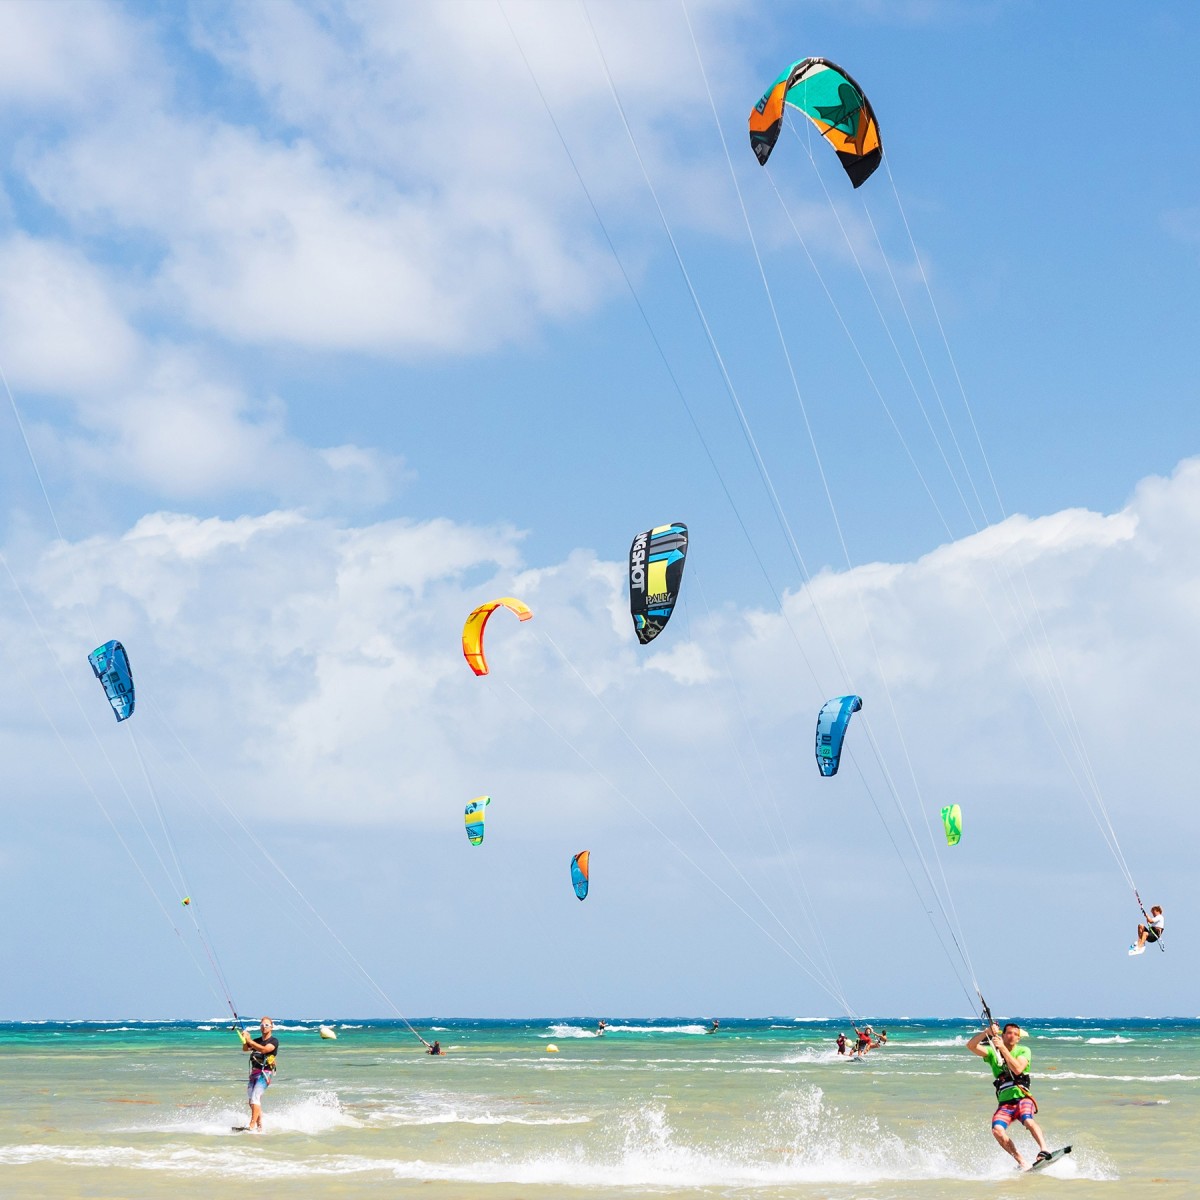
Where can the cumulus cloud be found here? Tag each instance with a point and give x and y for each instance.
(313, 670)
(60, 54)
(334, 651)
(61, 329)
(386, 200)
(147, 413)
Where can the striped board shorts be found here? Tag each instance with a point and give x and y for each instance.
(1022, 1110)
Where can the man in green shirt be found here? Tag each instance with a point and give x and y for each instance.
(1010, 1068)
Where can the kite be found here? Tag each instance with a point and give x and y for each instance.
(472, 637)
(474, 817)
(110, 664)
(831, 730)
(655, 573)
(834, 103)
(579, 873)
(952, 819)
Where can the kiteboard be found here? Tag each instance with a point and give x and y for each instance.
(1055, 1155)
(240, 1128)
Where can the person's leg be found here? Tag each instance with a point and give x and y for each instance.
(259, 1086)
(1035, 1132)
(1000, 1133)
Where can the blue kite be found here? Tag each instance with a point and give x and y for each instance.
(579, 873)
(111, 666)
(831, 731)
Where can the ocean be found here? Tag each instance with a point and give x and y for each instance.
(763, 1109)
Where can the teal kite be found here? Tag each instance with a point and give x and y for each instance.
(834, 103)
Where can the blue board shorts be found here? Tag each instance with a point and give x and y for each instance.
(1022, 1110)
(259, 1082)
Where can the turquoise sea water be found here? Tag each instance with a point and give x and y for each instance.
(763, 1109)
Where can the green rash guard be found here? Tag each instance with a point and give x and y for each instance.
(1022, 1055)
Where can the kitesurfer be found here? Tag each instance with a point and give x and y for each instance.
(882, 1040)
(601, 1026)
(1151, 932)
(864, 1040)
(435, 1048)
(1010, 1068)
(841, 1043)
(262, 1066)
(714, 1026)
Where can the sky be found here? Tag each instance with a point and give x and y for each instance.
(322, 323)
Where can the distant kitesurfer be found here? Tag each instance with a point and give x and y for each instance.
(841, 1043)
(262, 1066)
(435, 1048)
(601, 1026)
(714, 1026)
(1010, 1066)
(1152, 931)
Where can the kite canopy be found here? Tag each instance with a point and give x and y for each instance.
(472, 637)
(832, 721)
(110, 664)
(474, 817)
(579, 873)
(834, 103)
(655, 573)
(952, 819)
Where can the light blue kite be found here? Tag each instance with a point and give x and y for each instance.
(111, 666)
(831, 731)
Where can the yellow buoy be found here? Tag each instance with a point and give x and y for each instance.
(552, 1049)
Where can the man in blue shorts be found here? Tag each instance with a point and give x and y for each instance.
(1010, 1068)
(262, 1066)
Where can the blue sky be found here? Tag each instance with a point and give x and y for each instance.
(318, 342)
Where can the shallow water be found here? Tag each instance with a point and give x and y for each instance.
(764, 1109)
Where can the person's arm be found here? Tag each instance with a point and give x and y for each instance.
(974, 1044)
(1018, 1066)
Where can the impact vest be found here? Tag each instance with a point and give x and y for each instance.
(1004, 1078)
(264, 1062)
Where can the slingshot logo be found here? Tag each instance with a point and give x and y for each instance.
(637, 563)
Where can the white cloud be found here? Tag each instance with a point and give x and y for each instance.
(144, 412)
(388, 200)
(315, 672)
(62, 54)
(60, 328)
(336, 653)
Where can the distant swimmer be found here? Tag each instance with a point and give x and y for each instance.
(601, 1026)
(1149, 933)
(714, 1026)
(841, 1043)
(262, 1066)
(1010, 1068)
(435, 1048)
